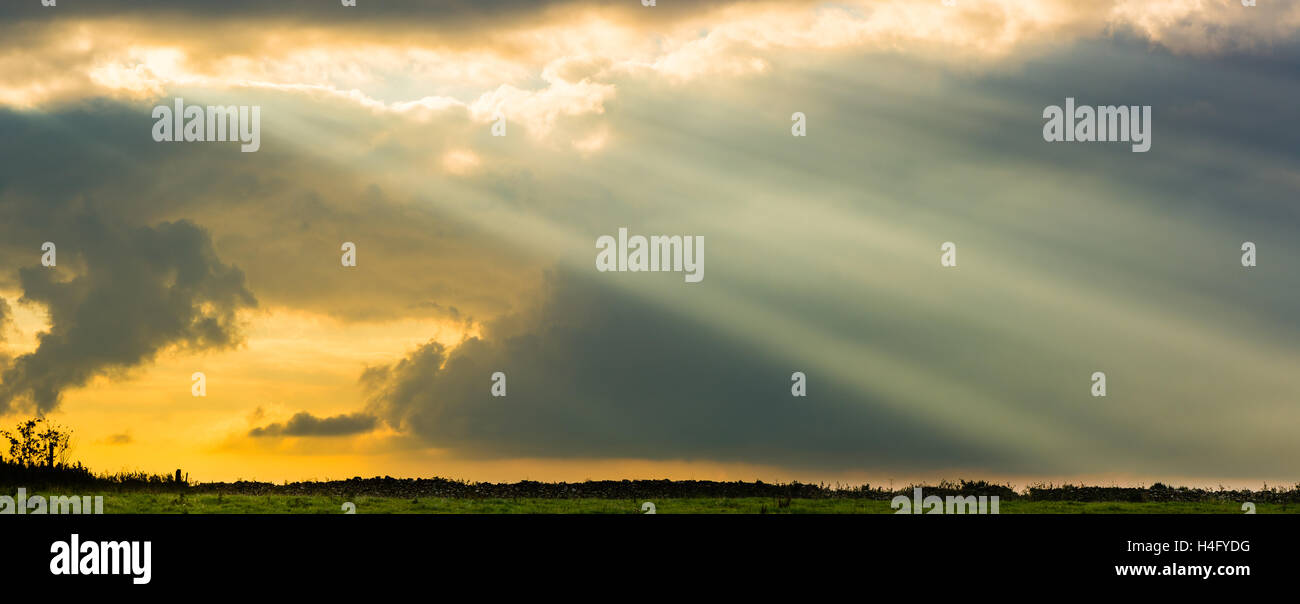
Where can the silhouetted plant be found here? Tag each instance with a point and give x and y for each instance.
(38, 442)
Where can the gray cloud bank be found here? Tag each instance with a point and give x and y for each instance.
(117, 296)
(306, 424)
(595, 372)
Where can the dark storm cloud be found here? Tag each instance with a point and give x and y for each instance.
(118, 296)
(306, 424)
(604, 374)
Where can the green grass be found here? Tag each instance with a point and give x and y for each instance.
(171, 503)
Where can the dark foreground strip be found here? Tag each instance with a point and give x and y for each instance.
(304, 554)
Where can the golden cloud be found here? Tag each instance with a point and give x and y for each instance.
(572, 52)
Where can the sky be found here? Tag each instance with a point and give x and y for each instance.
(477, 254)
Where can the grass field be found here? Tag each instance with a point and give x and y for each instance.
(171, 503)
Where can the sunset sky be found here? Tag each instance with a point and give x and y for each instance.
(475, 253)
